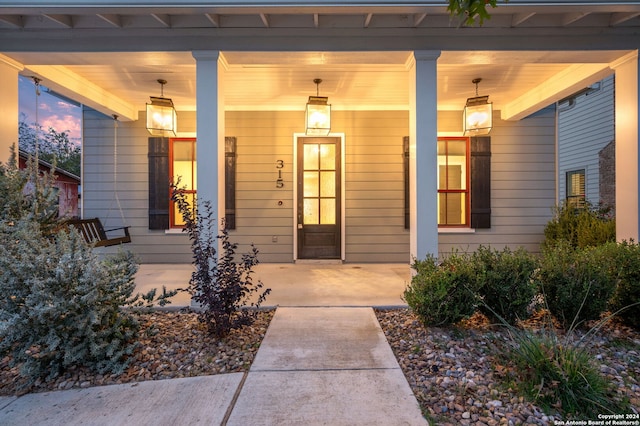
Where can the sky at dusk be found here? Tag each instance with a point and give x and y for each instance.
(62, 115)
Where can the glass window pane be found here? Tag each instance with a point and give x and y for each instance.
(311, 216)
(183, 150)
(327, 184)
(311, 184)
(327, 156)
(451, 208)
(310, 157)
(182, 170)
(328, 211)
(177, 216)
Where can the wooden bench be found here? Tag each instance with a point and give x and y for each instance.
(95, 234)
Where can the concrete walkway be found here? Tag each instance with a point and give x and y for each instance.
(316, 366)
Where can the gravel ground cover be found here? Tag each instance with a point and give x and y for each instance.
(176, 345)
(455, 374)
(452, 371)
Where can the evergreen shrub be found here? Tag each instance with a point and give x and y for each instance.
(623, 260)
(576, 283)
(588, 226)
(61, 304)
(441, 293)
(504, 282)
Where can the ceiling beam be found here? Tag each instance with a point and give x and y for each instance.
(565, 83)
(64, 20)
(112, 19)
(66, 82)
(13, 20)
(214, 18)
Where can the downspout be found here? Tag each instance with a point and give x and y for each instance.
(557, 155)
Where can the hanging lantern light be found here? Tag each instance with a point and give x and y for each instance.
(318, 115)
(162, 119)
(478, 114)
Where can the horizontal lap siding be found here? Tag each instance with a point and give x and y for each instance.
(522, 186)
(522, 183)
(374, 185)
(583, 131)
(132, 185)
(263, 138)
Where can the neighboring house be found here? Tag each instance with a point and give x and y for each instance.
(67, 185)
(586, 146)
(395, 179)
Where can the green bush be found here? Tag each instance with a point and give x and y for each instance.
(576, 282)
(623, 260)
(560, 375)
(504, 282)
(441, 293)
(580, 227)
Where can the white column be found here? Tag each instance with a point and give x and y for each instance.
(423, 154)
(627, 158)
(8, 106)
(210, 129)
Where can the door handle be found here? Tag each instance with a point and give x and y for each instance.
(299, 226)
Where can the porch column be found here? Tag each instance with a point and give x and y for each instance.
(627, 158)
(8, 106)
(210, 129)
(423, 154)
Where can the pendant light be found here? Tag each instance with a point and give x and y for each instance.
(162, 119)
(318, 113)
(478, 114)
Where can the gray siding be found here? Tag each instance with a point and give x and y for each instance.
(583, 130)
(522, 186)
(522, 183)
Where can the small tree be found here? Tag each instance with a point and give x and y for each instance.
(221, 283)
(468, 11)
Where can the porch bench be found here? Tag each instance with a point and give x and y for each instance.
(94, 233)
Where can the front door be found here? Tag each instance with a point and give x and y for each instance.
(318, 212)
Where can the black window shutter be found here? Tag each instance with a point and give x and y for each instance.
(405, 163)
(230, 182)
(158, 183)
(480, 182)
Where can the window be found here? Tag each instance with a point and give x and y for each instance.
(464, 182)
(575, 188)
(182, 170)
(176, 157)
(453, 181)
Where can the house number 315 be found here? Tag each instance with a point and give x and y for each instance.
(279, 166)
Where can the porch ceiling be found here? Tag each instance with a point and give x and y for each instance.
(109, 55)
(518, 83)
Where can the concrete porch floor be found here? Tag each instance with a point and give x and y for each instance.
(300, 284)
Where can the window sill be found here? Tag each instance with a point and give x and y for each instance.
(456, 231)
(173, 231)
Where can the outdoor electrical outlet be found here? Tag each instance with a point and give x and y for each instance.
(274, 239)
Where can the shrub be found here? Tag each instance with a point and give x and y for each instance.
(624, 266)
(61, 304)
(575, 282)
(561, 375)
(221, 285)
(441, 293)
(580, 227)
(504, 282)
